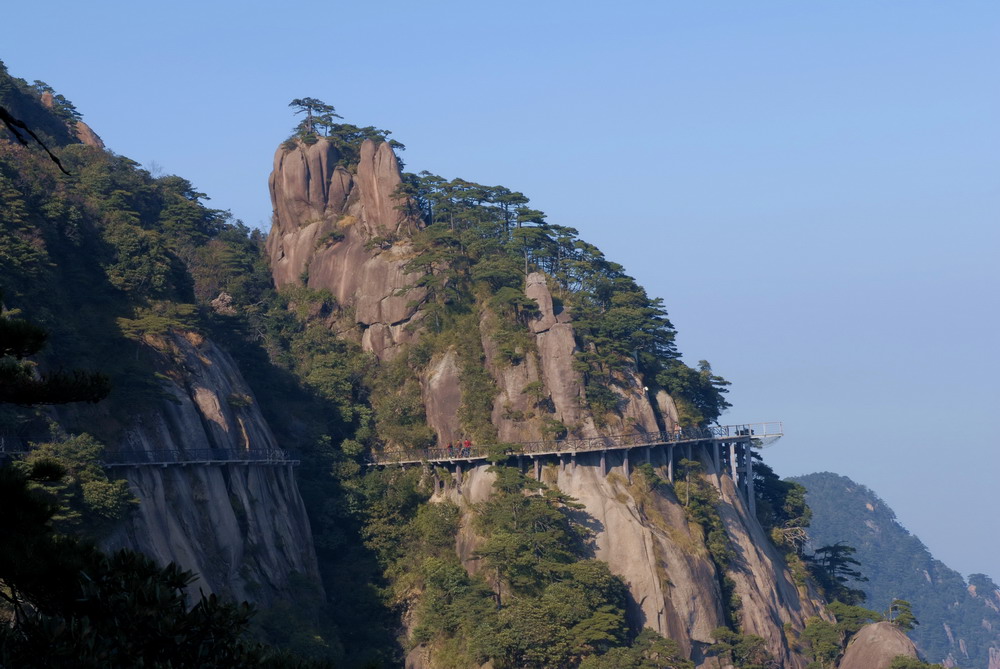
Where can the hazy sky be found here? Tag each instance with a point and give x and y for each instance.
(812, 187)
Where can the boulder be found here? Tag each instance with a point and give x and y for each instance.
(875, 646)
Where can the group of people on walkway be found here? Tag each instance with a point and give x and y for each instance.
(463, 449)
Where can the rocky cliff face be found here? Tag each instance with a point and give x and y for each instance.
(345, 232)
(241, 527)
(646, 539)
(83, 132)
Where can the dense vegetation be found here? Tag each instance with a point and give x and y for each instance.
(66, 604)
(898, 565)
(535, 599)
(477, 245)
(134, 256)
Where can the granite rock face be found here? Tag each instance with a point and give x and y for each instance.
(646, 539)
(347, 233)
(86, 135)
(562, 396)
(875, 646)
(241, 527)
(83, 132)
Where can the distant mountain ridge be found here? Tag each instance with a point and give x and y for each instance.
(960, 621)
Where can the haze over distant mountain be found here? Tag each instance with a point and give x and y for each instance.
(960, 620)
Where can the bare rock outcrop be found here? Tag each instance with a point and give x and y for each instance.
(545, 385)
(646, 539)
(242, 528)
(442, 391)
(347, 233)
(85, 134)
(875, 646)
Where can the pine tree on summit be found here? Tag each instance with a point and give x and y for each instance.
(317, 112)
(19, 383)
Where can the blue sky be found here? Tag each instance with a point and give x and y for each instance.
(812, 187)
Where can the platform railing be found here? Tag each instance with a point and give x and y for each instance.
(163, 457)
(756, 431)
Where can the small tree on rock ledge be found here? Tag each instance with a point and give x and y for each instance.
(318, 115)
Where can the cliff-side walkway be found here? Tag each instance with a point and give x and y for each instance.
(199, 456)
(177, 458)
(759, 434)
(727, 450)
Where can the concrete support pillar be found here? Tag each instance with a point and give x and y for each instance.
(751, 496)
(670, 463)
(458, 478)
(717, 462)
(688, 449)
(733, 466)
(604, 463)
(538, 469)
(625, 466)
(649, 455)
(562, 462)
(520, 463)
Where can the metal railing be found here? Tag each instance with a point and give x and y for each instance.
(760, 432)
(271, 456)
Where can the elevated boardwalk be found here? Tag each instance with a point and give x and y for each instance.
(726, 449)
(175, 458)
(760, 434)
(200, 456)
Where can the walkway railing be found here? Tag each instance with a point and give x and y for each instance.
(762, 433)
(208, 456)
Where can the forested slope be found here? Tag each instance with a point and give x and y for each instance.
(491, 323)
(959, 619)
(121, 268)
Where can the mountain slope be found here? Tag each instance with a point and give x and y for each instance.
(490, 323)
(120, 268)
(960, 621)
